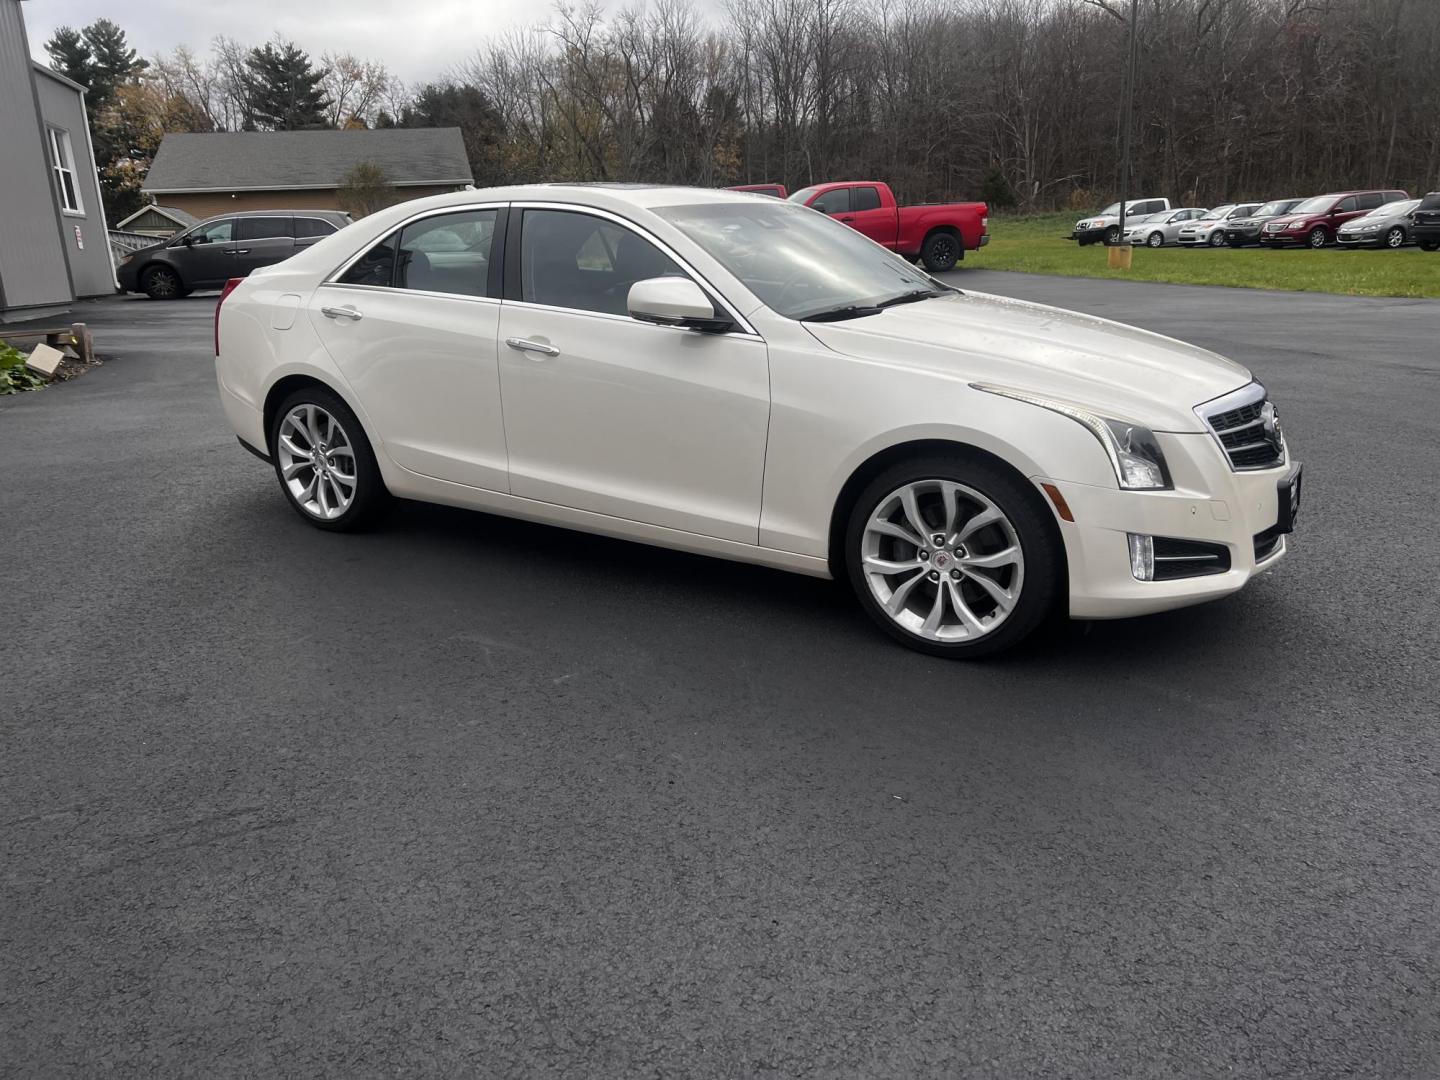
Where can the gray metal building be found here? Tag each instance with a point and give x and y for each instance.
(54, 244)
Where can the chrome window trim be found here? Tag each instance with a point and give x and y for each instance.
(530, 305)
(626, 223)
(410, 292)
(467, 208)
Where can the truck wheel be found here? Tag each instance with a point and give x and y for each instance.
(940, 252)
(1112, 234)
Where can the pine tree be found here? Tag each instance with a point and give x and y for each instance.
(285, 92)
(70, 56)
(113, 63)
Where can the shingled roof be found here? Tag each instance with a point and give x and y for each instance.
(297, 160)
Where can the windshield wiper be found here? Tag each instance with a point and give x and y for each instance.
(911, 297)
(849, 311)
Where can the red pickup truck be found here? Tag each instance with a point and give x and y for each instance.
(939, 234)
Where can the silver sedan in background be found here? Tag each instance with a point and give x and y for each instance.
(1388, 227)
(1210, 229)
(1163, 228)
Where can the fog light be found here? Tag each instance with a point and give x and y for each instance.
(1142, 556)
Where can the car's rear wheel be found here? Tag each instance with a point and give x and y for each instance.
(952, 556)
(1317, 237)
(940, 252)
(1155, 239)
(162, 283)
(1395, 237)
(324, 461)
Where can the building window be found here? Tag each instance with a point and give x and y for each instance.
(62, 162)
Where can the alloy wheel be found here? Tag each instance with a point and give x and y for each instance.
(942, 560)
(162, 284)
(1395, 238)
(317, 461)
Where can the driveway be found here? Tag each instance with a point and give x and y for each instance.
(447, 798)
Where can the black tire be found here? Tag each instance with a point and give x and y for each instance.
(1155, 239)
(161, 282)
(1112, 235)
(1234, 244)
(1217, 239)
(1395, 238)
(371, 498)
(1429, 245)
(941, 251)
(1317, 237)
(1034, 525)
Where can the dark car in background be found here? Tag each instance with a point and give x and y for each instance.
(1425, 222)
(1246, 230)
(1388, 227)
(207, 255)
(1315, 222)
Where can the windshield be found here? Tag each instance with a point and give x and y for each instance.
(1270, 209)
(1390, 209)
(1113, 210)
(799, 262)
(1244, 210)
(1315, 205)
(1218, 213)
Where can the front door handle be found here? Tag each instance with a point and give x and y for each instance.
(340, 313)
(532, 346)
(847, 217)
(242, 251)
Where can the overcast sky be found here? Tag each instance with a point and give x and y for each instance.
(416, 39)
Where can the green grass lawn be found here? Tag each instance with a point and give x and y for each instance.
(1036, 245)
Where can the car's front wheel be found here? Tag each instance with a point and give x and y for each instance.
(324, 462)
(953, 557)
(1217, 239)
(1395, 237)
(162, 283)
(1155, 239)
(1318, 237)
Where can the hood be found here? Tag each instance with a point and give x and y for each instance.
(1116, 370)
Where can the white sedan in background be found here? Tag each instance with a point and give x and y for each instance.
(1209, 229)
(745, 378)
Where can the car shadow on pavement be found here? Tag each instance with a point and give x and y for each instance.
(633, 573)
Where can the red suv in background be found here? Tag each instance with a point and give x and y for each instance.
(1315, 222)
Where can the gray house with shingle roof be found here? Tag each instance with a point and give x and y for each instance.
(221, 172)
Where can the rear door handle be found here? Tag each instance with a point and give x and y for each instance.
(532, 346)
(242, 251)
(340, 313)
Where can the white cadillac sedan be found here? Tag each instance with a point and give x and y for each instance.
(743, 377)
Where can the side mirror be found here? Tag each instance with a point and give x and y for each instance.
(674, 301)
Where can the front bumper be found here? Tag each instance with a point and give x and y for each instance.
(127, 274)
(1285, 238)
(1210, 504)
(1359, 239)
(1194, 239)
(1089, 236)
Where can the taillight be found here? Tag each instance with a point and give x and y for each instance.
(226, 291)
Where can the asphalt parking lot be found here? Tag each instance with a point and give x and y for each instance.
(446, 798)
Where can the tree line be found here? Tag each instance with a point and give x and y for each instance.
(1017, 101)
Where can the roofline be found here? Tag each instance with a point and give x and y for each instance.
(164, 211)
(299, 187)
(44, 70)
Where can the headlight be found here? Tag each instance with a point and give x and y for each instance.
(1296, 225)
(1134, 452)
(1370, 228)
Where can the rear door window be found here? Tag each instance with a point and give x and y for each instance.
(375, 267)
(867, 198)
(265, 228)
(306, 227)
(448, 253)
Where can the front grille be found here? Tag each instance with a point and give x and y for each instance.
(1247, 428)
(1188, 558)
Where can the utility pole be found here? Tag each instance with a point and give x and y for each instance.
(1128, 121)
